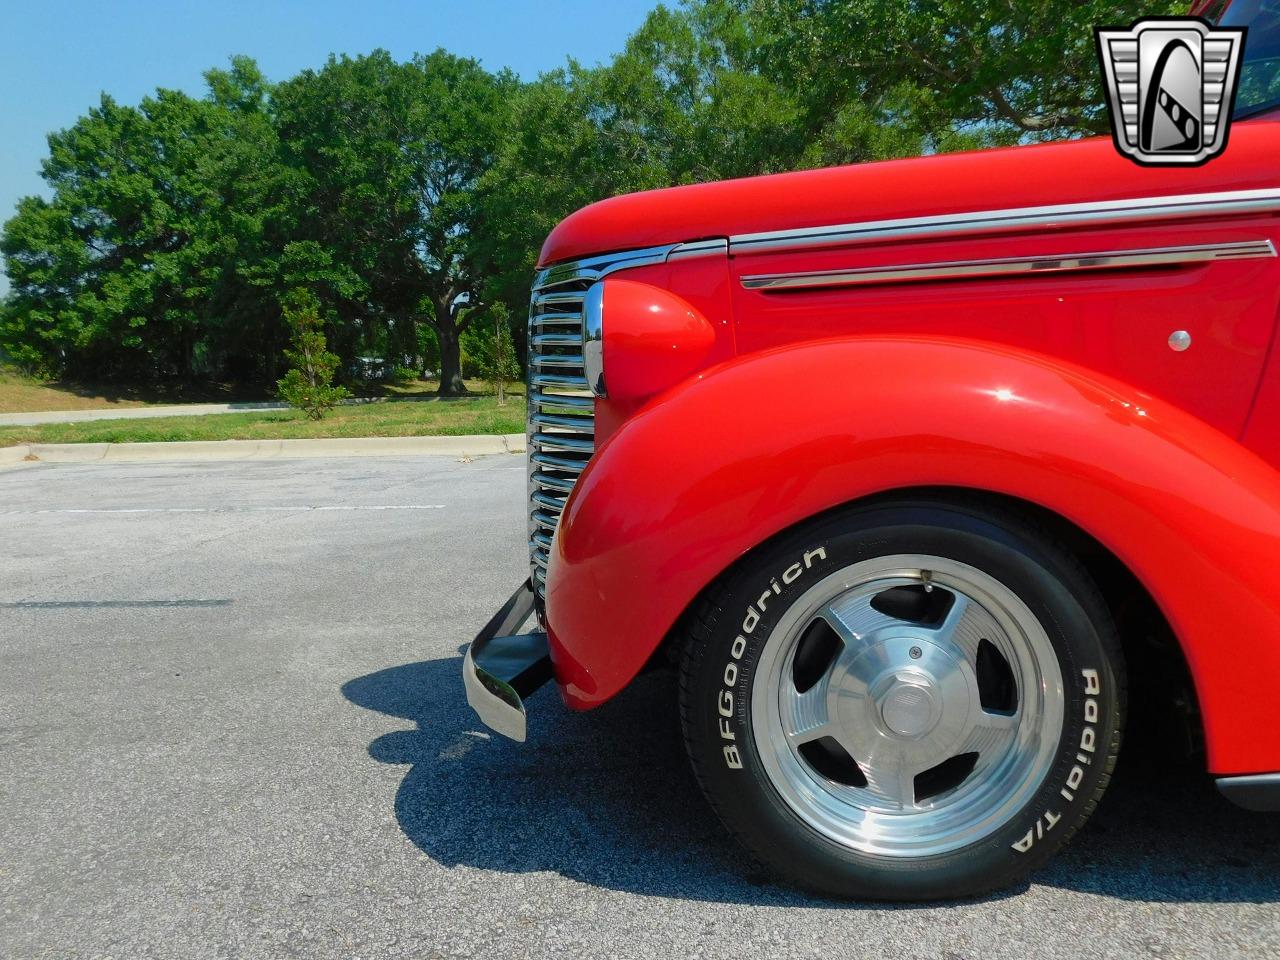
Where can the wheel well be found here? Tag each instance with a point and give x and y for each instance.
(1168, 724)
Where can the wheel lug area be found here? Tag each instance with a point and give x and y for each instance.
(908, 692)
(909, 704)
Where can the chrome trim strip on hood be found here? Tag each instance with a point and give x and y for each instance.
(597, 267)
(1015, 218)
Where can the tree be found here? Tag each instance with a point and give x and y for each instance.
(678, 105)
(308, 384)
(391, 154)
(143, 248)
(254, 224)
(501, 365)
(957, 72)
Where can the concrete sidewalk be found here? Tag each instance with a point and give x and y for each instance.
(39, 417)
(465, 446)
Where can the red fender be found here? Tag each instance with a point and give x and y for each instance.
(714, 466)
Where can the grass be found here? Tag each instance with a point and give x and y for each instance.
(408, 417)
(19, 394)
(23, 394)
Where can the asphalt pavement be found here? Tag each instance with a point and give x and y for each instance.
(232, 725)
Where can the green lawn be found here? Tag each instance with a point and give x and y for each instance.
(23, 394)
(409, 417)
(19, 394)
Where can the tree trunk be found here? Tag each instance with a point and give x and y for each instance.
(188, 356)
(451, 384)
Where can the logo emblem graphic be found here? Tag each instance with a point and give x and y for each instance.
(1171, 83)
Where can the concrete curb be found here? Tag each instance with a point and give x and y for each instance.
(467, 446)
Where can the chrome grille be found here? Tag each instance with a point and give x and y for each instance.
(561, 431)
(562, 409)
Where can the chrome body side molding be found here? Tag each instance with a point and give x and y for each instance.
(1013, 266)
(1018, 218)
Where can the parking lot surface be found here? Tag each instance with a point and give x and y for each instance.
(232, 725)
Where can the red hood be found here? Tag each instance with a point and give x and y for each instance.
(1070, 172)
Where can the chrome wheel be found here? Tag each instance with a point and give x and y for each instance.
(907, 706)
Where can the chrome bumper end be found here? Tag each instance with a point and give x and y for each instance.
(1259, 792)
(501, 669)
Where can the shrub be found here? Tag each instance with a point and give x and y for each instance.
(500, 363)
(309, 383)
(403, 375)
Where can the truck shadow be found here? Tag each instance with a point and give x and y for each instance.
(607, 798)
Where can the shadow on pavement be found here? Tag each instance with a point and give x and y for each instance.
(607, 798)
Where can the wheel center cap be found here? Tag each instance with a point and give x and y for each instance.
(910, 707)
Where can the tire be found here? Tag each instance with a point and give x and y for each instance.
(904, 701)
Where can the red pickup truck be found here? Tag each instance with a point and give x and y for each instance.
(906, 467)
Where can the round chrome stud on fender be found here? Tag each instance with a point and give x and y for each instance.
(907, 706)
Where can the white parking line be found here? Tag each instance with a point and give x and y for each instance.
(107, 604)
(317, 508)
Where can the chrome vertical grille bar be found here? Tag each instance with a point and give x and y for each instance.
(561, 418)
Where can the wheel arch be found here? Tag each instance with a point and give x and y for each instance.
(1169, 720)
(714, 466)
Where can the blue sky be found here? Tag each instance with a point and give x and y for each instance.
(57, 56)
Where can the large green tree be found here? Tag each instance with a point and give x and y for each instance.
(137, 261)
(390, 154)
(956, 73)
(680, 104)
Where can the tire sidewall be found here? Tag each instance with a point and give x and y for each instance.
(719, 721)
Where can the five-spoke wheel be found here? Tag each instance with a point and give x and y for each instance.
(904, 700)
(907, 704)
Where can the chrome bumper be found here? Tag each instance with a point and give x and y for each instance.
(501, 669)
(1259, 791)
